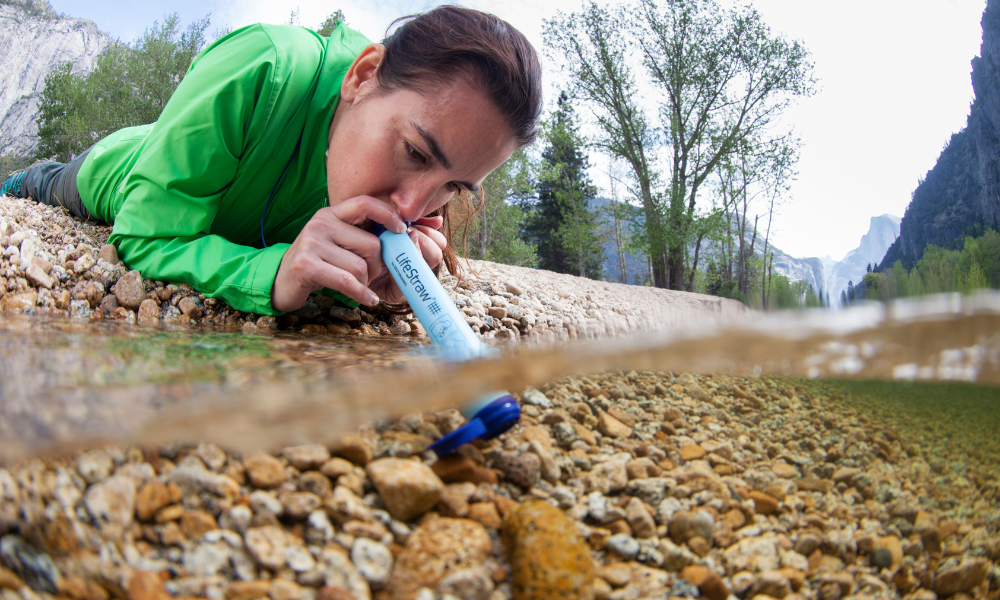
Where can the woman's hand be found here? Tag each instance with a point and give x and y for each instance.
(429, 240)
(331, 252)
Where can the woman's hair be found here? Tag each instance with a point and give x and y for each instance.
(439, 46)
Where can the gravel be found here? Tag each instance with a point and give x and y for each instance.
(53, 264)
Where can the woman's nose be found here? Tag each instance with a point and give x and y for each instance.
(413, 202)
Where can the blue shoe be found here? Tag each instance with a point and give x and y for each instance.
(12, 185)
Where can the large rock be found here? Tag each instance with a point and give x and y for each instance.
(409, 488)
(33, 47)
(962, 578)
(435, 550)
(547, 556)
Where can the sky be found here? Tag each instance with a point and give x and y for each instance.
(893, 78)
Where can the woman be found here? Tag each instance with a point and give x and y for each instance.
(279, 147)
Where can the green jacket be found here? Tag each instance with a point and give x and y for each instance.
(186, 193)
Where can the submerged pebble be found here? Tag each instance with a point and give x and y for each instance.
(548, 559)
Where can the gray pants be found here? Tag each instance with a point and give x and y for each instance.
(54, 183)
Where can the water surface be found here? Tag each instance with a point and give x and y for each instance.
(67, 384)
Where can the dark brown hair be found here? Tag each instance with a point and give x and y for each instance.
(439, 46)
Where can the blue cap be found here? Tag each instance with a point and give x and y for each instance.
(494, 418)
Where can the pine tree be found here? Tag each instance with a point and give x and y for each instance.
(563, 227)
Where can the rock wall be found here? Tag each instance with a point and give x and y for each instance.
(31, 46)
(961, 195)
(809, 270)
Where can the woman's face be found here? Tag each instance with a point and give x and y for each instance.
(410, 149)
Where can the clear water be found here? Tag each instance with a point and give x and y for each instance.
(66, 385)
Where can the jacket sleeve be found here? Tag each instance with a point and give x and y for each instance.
(173, 191)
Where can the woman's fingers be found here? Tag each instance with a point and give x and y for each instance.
(346, 246)
(359, 209)
(434, 222)
(430, 242)
(436, 236)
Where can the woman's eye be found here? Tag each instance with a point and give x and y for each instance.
(416, 155)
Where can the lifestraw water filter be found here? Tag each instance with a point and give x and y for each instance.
(490, 415)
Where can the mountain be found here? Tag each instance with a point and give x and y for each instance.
(809, 270)
(961, 195)
(882, 233)
(33, 42)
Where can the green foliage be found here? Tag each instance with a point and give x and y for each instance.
(976, 266)
(564, 228)
(496, 220)
(330, 23)
(35, 8)
(129, 86)
(719, 77)
(10, 163)
(509, 246)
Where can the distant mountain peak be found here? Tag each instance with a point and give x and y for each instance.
(882, 232)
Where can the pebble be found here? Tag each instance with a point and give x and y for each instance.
(373, 560)
(844, 524)
(474, 583)
(435, 549)
(35, 568)
(765, 504)
(685, 525)
(692, 452)
(612, 427)
(623, 545)
(961, 578)
(284, 589)
(881, 558)
(523, 469)
(548, 559)
(112, 500)
(264, 470)
(149, 310)
(638, 517)
(409, 488)
(130, 290)
(307, 456)
(266, 545)
(109, 254)
(535, 398)
(355, 448)
(94, 465)
(400, 328)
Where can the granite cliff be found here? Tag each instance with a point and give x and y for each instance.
(882, 233)
(33, 42)
(961, 195)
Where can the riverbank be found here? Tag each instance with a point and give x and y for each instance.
(652, 485)
(52, 264)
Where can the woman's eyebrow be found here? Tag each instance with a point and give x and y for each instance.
(439, 155)
(433, 145)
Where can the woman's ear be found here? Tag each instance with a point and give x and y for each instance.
(361, 76)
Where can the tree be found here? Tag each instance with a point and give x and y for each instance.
(617, 216)
(721, 77)
(494, 222)
(129, 86)
(330, 23)
(562, 225)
